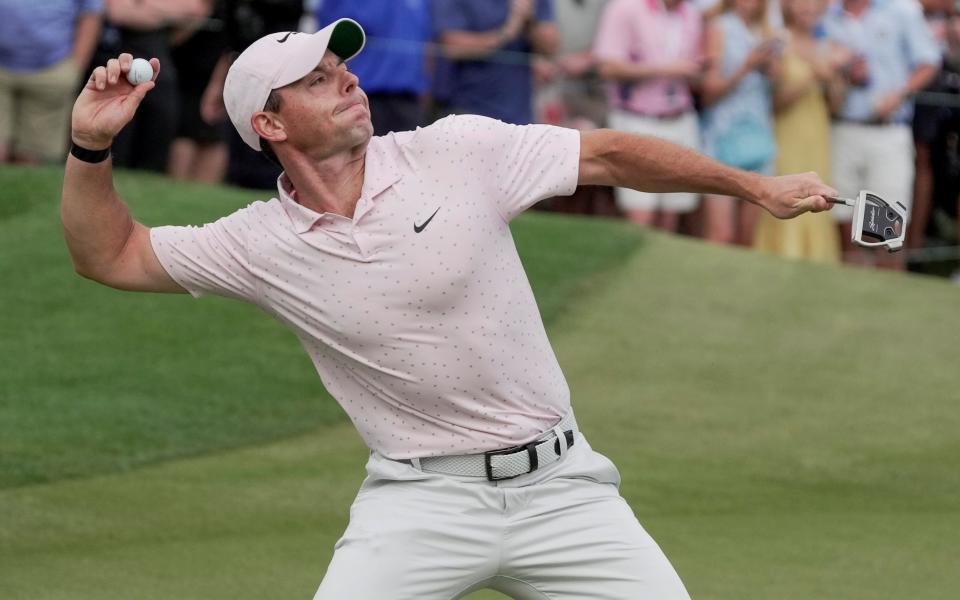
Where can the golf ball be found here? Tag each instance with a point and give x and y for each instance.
(140, 71)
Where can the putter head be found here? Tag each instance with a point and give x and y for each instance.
(877, 222)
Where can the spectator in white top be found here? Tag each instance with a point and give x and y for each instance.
(872, 140)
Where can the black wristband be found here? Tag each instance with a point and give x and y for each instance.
(90, 156)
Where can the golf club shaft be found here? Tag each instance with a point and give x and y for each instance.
(847, 201)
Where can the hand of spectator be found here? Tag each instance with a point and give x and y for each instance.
(759, 57)
(938, 29)
(544, 70)
(953, 32)
(887, 105)
(773, 67)
(791, 195)
(858, 73)
(823, 71)
(839, 56)
(212, 109)
(108, 102)
(578, 64)
(521, 11)
(687, 69)
(150, 15)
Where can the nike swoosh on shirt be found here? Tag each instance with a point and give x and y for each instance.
(419, 228)
(284, 38)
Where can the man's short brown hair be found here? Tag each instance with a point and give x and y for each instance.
(272, 104)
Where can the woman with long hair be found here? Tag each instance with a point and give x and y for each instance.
(810, 73)
(736, 93)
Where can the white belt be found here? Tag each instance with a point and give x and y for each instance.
(507, 463)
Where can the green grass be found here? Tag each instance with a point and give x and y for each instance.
(774, 438)
(772, 435)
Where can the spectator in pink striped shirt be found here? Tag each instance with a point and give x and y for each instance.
(650, 53)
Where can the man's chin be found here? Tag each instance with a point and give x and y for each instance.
(365, 128)
(358, 117)
(361, 134)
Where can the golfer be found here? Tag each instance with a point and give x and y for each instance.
(391, 259)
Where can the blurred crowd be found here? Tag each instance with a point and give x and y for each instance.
(864, 92)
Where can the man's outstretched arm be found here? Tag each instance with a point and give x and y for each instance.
(650, 164)
(105, 242)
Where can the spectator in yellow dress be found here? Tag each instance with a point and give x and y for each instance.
(802, 129)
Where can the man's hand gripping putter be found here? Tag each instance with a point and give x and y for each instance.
(876, 222)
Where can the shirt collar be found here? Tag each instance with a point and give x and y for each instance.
(380, 172)
(380, 169)
(302, 217)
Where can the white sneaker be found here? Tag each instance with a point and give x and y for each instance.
(955, 278)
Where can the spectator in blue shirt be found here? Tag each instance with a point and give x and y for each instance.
(44, 48)
(490, 44)
(896, 56)
(391, 67)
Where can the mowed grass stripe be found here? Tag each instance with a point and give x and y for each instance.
(256, 523)
(100, 381)
(784, 430)
(747, 447)
(800, 383)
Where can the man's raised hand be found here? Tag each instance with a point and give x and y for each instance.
(108, 102)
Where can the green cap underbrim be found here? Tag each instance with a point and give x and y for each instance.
(346, 40)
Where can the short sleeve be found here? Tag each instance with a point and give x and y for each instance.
(612, 41)
(922, 47)
(211, 259)
(699, 45)
(544, 11)
(448, 15)
(515, 166)
(89, 6)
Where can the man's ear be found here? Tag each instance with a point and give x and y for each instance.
(269, 126)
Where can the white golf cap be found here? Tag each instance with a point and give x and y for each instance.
(279, 59)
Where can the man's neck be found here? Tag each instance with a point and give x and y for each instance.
(332, 185)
